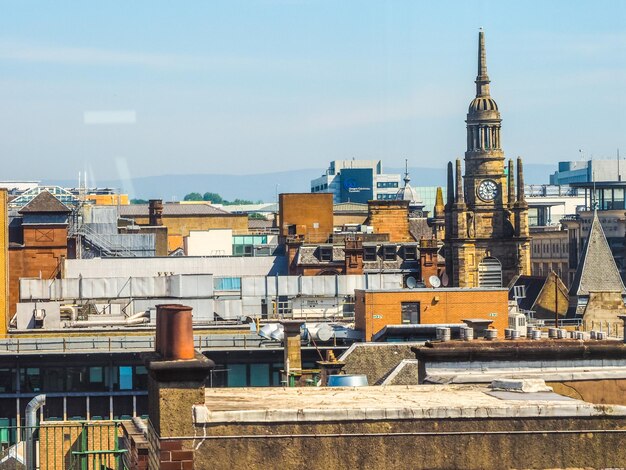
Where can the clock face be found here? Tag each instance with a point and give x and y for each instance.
(487, 190)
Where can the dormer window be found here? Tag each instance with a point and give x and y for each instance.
(389, 252)
(369, 253)
(410, 253)
(326, 253)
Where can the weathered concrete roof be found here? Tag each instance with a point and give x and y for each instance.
(394, 402)
(550, 371)
(597, 271)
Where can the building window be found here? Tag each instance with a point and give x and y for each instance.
(389, 252)
(326, 253)
(369, 253)
(125, 378)
(227, 283)
(410, 313)
(7, 380)
(387, 184)
(410, 253)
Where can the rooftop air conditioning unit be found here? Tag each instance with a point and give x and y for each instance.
(39, 314)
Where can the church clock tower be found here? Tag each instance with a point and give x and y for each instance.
(487, 240)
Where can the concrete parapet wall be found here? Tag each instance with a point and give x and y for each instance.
(419, 444)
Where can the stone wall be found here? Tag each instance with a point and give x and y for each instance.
(443, 444)
(390, 217)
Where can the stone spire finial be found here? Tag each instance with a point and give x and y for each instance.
(482, 80)
(520, 181)
(407, 179)
(450, 188)
(511, 183)
(460, 198)
(439, 209)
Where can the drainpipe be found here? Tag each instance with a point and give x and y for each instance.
(31, 421)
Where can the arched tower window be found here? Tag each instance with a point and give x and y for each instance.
(490, 273)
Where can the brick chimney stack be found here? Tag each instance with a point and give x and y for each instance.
(155, 212)
(177, 375)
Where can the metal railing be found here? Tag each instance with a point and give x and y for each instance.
(114, 343)
(66, 445)
(102, 244)
(80, 344)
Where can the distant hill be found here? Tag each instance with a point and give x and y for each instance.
(264, 186)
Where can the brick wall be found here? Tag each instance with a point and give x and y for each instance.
(58, 440)
(172, 456)
(311, 213)
(390, 217)
(43, 250)
(376, 309)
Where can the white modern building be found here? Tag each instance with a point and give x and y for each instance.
(357, 181)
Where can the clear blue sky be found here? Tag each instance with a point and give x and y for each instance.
(258, 86)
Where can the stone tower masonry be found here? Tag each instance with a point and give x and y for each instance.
(487, 241)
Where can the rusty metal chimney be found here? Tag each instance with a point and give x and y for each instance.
(155, 212)
(174, 332)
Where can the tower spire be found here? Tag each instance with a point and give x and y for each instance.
(407, 179)
(482, 79)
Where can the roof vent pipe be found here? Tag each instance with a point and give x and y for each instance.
(31, 423)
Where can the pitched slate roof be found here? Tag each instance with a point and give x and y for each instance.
(173, 209)
(597, 271)
(260, 224)
(350, 207)
(534, 286)
(45, 202)
(418, 228)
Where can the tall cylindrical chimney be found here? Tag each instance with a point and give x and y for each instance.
(155, 212)
(174, 335)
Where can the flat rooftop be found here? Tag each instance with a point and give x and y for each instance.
(393, 402)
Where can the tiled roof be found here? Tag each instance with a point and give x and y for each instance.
(308, 255)
(45, 202)
(260, 224)
(350, 207)
(418, 228)
(172, 209)
(597, 271)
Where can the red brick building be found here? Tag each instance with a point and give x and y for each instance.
(38, 242)
(375, 309)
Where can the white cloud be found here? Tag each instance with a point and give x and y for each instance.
(69, 55)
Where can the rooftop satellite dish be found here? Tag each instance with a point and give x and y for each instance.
(411, 282)
(445, 280)
(434, 281)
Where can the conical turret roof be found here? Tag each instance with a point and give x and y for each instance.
(597, 271)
